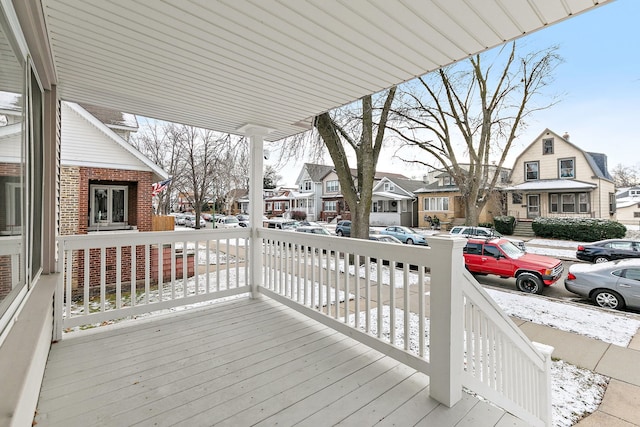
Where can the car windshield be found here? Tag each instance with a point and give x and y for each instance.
(231, 220)
(511, 250)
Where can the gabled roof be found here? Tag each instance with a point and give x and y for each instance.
(379, 175)
(597, 161)
(113, 118)
(552, 184)
(315, 171)
(115, 138)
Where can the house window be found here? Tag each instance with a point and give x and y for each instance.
(435, 204)
(330, 206)
(636, 214)
(634, 192)
(306, 186)
(388, 186)
(547, 146)
(553, 203)
(568, 203)
(516, 198)
(567, 168)
(277, 206)
(612, 203)
(447, 180)
(531, 171)
(583, 202)
(504, 177)
(13, 191)
(109, 205)
(333, 186)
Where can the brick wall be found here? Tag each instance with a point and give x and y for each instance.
(74, 217)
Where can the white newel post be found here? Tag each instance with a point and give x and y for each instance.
(256, 136)
(446, 321)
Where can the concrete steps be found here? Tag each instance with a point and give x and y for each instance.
(524, 229)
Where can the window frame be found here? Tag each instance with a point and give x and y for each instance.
(561, 175)
(537, 171)
(332, 186)
(329, 204)
(109, 222)
(547, 149)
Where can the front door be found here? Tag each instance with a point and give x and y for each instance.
(533, 205)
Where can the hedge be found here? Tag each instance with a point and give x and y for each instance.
(504, 224)
(578, 229)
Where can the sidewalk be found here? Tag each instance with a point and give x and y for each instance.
(621, 401)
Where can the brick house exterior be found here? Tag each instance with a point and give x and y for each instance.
(83, 180)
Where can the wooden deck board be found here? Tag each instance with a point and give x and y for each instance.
(241, 362)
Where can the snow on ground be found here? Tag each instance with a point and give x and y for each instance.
(595, 323)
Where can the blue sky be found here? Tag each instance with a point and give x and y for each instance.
(600, 78)
(599, 81)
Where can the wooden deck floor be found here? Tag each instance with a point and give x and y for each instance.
(238, 363)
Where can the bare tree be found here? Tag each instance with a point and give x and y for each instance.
(357, 130)
(364, 137)
(468, 102)
(152, 140)
(625, 176)
(202, 154)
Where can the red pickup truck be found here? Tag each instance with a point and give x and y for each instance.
(502, 258)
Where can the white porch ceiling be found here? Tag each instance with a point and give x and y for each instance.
(221, 64)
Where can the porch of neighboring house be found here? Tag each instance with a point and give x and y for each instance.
(297, 352)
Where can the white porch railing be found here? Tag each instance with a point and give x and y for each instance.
(165, 280)
(415, 304)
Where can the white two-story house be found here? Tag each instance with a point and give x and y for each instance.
(554, 177)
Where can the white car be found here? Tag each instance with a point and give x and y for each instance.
(190, 221)
(227, 222)
(471, 231)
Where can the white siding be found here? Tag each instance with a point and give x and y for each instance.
(85, 145)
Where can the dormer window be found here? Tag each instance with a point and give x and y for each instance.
(547, 146)
(634, 193)
(306, 186)
(447, 180)
(388, 186)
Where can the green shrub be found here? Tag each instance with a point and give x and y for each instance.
(299, 215)
(578, 229)
(504, 224)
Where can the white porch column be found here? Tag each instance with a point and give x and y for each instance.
(256, 136)
(446, 322)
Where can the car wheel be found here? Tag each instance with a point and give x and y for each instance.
(608, 299)
(600, 259)
(340, 233)
(409, 242)
(529, 283)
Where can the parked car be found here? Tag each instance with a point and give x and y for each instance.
(471, 231)
(281, 224)
(502, 258)
(227, 222)
(608, 250)
(243, 220)
(190, 221)
(178, 218)
(207, 217)
(343, 228)
(313, 229)
(405, 235)
(384, 238)
(614, 284)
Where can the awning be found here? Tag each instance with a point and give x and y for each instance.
(546, 185)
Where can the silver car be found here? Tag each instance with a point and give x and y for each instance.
(614, 284)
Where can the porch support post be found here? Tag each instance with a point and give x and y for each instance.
(446, 322)
(256, 136)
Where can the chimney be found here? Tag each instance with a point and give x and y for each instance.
(425, 179)
(566, 136)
